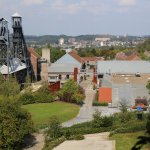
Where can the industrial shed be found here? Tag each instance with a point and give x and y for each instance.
(123, 67)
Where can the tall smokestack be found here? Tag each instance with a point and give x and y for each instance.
(44, 66)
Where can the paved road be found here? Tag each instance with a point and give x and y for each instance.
(91, 142)
(87, 110)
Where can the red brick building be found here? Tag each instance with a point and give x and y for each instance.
(36, 67)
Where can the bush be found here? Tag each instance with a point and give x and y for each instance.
(96, 103)
(86, 130)
(51, 144)
(78, 137)
(102, 121)
(71, 92)
(129, 129)
(15, 124)
(124, 117)
(54, 128)
(43, 95)
(148, 124)
(27, 98)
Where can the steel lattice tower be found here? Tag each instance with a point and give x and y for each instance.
(4, 42)
(20, 48)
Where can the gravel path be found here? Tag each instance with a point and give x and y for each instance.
(91, 142)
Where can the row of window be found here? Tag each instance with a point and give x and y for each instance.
(60, 77)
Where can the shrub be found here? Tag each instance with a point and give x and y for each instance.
(102, 121)
(54, 128)
(51, 144)
(27, 98)
(71, 92)
(15, 124)
(129, 129)
(43, 95)
(123, 105)
(148, 124)
(96, 103)
(78, 137)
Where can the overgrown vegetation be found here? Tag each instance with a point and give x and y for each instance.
(15, 124)
(55, 135)
(71, 92)
(42, 95)
(9, 88)
(117, 123)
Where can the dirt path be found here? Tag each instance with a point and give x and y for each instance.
(36, 142)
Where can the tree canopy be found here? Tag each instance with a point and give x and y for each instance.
(15, 123)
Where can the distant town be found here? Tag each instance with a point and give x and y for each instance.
(84, 41)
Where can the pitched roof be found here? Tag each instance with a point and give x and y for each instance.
(32, 51)
(76, 56)
(15, 66)
(92, 58)
(62, 68)
(123, 56)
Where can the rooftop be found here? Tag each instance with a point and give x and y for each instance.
(123, 67)
(62, 68)
(16, 15)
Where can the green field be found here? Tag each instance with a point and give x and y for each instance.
(41, 112)
(126, 141)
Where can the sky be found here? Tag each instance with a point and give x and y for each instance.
(76, 17)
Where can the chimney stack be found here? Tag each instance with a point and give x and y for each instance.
(44, 66)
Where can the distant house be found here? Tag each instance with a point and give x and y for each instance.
(124, 56)
(63, 68)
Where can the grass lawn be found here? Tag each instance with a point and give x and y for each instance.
(127, 140)
(41, 112)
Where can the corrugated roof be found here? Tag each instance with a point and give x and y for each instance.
(15, 66)
(125, 67)
(62, 68)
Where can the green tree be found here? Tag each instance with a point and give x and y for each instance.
(15, 124)
(9, 87)
(71, 92)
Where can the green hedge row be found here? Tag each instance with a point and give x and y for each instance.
(96, 103)
(129, 129)
(30, 98)
(51, 144)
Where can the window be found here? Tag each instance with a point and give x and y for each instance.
(67, 76)
(60, 77)
(52, 77)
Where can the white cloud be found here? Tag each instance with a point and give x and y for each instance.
(32, 2)
(94, 7)
(126, 2)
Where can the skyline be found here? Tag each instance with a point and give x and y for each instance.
(78, 17)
